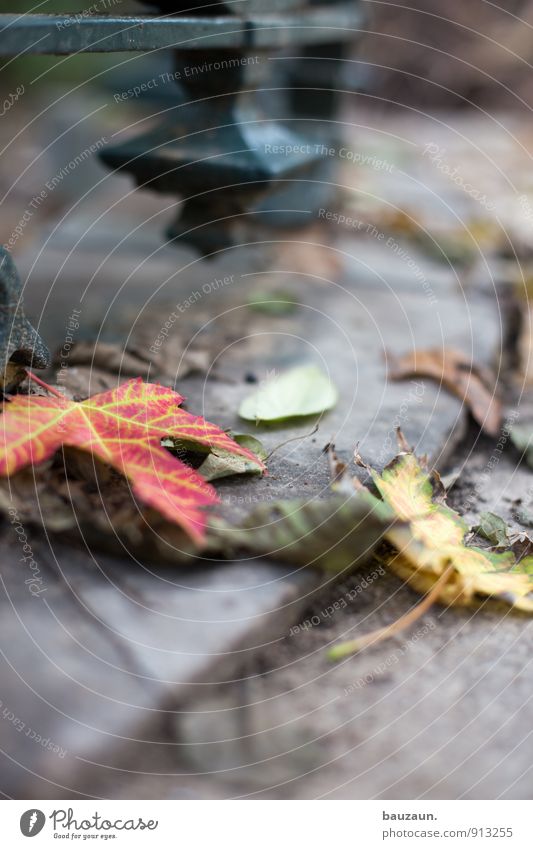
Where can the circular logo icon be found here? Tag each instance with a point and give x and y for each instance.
(32, 822)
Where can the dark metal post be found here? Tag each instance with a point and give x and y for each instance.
(232, 164)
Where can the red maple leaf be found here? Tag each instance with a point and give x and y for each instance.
(123, 427)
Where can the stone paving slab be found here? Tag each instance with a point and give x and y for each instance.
(89, 667)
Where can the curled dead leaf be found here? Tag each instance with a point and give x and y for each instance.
(453, 370)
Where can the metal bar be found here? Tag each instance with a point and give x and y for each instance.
(66, 34)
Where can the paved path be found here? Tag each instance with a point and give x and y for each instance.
(123, 671)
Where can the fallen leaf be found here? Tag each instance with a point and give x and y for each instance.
(251, 443)
(105, 355)
(492, 528)
(272, 303)
(458, 246)
(521, 545)
(302, 391)
(80, 382)
(335, 534)
(222, 464)
(39, 497)
(430, 537)
(104, 518)
(124, 428)
(456, 373)
(173, 362)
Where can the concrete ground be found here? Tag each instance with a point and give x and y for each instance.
(213, 682)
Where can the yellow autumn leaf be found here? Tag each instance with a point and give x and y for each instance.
(430, 538)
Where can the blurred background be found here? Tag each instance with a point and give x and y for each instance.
(428, 54)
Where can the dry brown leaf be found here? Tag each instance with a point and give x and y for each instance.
(103, 515)
(79, 382)
(108, 356)
(93, 366)
(453, 370)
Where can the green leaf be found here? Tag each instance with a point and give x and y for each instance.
(272, 303)
(302, 391)
(492, 528)
(221, 464)
(335, 534)
(246, 440)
